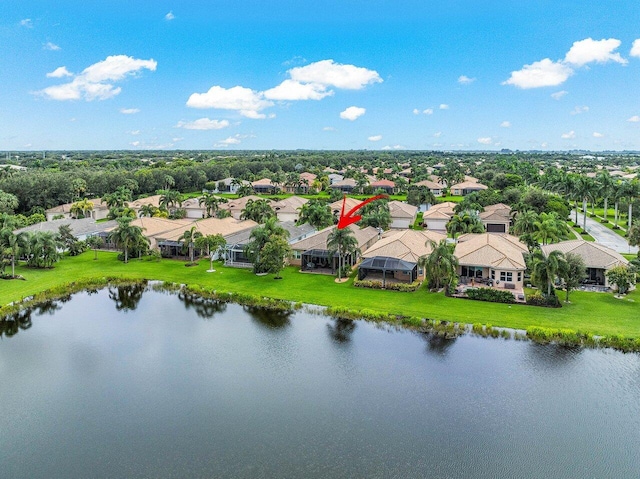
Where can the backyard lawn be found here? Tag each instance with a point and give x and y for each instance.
(598, 313)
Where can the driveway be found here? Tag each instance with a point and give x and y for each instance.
(605, 236)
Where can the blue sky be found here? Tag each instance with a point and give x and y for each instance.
(459, 75)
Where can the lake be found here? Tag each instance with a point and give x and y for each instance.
(135, 383)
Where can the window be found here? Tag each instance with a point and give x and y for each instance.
(493, 274)
(519, 276)
(506, 276)
(297, 255)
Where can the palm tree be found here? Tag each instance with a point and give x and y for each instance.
(94, 242)
(126, 235)
(441, 265)
(170, 199)
(212, 243)
(258, 211)
(343, 242)
(119, 198)
(630, 190)
(545, 269)
(188, 237)
(584, 188)
(11, 244)
(525, 222)
(81, 206)
(606, 186)
(316, 213)
(260, 236)
(549, 228)
(465, 222)
(211, 203)
(147, 210)
(43, 249)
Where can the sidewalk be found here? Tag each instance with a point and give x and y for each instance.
(605, 236)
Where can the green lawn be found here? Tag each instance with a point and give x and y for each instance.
(598, 313)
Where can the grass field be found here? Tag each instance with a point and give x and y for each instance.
(598, 313)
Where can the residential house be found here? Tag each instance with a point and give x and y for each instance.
(264, 186)
(149, 200)
(236, 206)
(403, 215)
(288, 209)
(395, 257)
(466, 187)
(388, 186)
(153, 228)
(432, 186)
(193, 209)
(493, 259)
(437, 217)
(347, 185)
(99, 212)
(81, 229)
(496, 218)
(229, 185)
(312, 253)
(234, 249)
(598, 258)
(334, 178)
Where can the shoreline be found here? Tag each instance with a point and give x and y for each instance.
(443, 328)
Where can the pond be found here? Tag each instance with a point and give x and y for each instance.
(128, 382)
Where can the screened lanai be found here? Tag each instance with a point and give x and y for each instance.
(388, 269)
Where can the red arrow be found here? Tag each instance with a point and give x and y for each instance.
(347, 219)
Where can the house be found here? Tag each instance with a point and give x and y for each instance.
(171, 244)
(193, 208)
(494, 259)
(432, 186)
(349, 203)
(149, 200)
(230, 185)
(312, 253)
(234, 249)
(496, 218)
(153, 228)
(347, 185)
(597, 258)
(403, 215)
(395, 257)
(236, 206)
(99, 212)
(466, 187)
(288, 209)
(437, 217)
(388, 186)
(334, 178)
(264, 186)
(81, 229)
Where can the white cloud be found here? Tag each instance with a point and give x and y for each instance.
(443, 106)
(597, 135)
(329, 73)
(540, 74)
(135, 143)
(129, 111)
(394, 147)
(293, 90)
(465, 80)
(244, 100)
(169, 16)
(416, 111)
(559, 94)
(505, 124)
(352, 113)
(93, 82)
(232, 140)
(568, 136)
(579, 109)
(203, 124)
(590, 50)
(329, 128)
(437, 134)
(375, 138)
(428, 111)
(26, 23)
(176, 140)
(634, 119)
(635, 48)
(51, 46)
(134, 132)
(486, 140)
(59, 73)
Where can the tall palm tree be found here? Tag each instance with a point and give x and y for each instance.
(606, 185)
(257, 210)
(211, 203)
(82, 206)
(126, 235)
(545, 269)
(212, 243)
(525, 222)
(465, 222)
(343, 242)
(584, 187)
(188, 238)
(631, 190)
(42, 249)
(260, 236)
(441, 265)
(147, 210)
(170, 199)
(11, 244)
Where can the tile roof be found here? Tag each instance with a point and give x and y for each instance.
(407, 245)
(594, 255)
(491, 250)
(319, 240)
(398, 209)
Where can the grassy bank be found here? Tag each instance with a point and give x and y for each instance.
(597, 313)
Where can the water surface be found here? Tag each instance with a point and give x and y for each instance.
(127, 383)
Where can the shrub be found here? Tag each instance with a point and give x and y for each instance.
(367, 284)
(539, 299)
(491, 295)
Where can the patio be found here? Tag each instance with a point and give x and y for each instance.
(518, 293)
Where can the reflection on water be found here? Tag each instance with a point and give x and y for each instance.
(127, 297)
(259, 394)
(341, 330)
